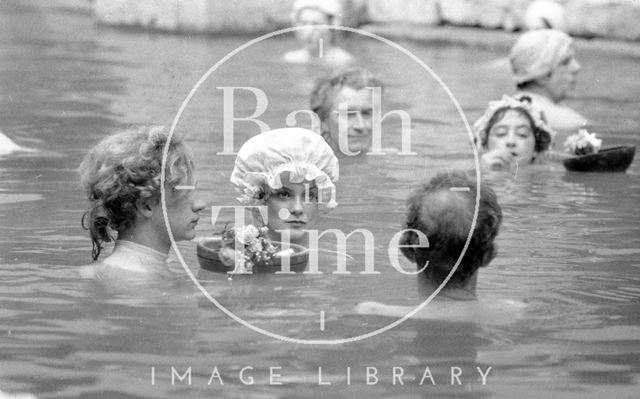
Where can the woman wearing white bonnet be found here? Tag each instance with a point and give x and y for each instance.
(544, 67)
(318, 43)
(292, 172)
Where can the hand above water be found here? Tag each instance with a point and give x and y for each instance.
(498, 159)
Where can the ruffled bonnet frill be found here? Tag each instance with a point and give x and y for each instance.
(522, 102)
(304, 154)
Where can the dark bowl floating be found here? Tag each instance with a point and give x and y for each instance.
(209, 248)
(614, 159)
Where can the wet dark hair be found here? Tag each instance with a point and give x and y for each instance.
(122, 169)
(321, 101)
(541, 137)
(445, 217)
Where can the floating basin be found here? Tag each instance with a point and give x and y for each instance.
(208, 251)
(614, 159)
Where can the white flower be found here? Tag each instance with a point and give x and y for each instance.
(247, 234)
(582, 143)
(227, 256)
(255, 247)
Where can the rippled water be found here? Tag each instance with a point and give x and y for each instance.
(568, 247)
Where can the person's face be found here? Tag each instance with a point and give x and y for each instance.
(309, 18)
(358, 119)
(513, 135)
(562, 79)
(183, 208)
(290, 209)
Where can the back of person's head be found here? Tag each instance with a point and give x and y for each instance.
(322, 96)
(444, 213)
(124, 169)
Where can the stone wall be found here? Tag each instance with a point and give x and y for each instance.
(210, 16)
(616, 19)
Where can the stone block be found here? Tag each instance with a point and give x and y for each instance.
(492, 14)
(210, 16)
(413, 11)
(615, 19)
(153, 14)
(248, 16)
(542, 14)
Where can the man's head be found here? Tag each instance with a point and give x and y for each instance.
(443, 210)
(353, 88)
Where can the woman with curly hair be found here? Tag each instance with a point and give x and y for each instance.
(122, 177)
(512, 131)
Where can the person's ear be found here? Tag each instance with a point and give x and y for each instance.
(544, 81)
(329, 139)
(145, 207)
(324, 132)
(489, 255)
(407, 240)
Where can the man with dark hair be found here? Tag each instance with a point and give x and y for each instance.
(353, 88)
(443, 211)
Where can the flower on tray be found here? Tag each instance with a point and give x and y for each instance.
(582, 143)
(258, 248)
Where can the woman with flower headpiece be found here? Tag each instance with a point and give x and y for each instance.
(313, 19)
(512, 131)
(292, 172)
(545, 68)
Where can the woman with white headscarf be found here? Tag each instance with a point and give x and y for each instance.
(544, 66)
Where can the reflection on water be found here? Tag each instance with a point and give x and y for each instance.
(568, 246)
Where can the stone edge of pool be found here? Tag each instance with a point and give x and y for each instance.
(488, 39)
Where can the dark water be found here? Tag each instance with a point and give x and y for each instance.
(568, 247)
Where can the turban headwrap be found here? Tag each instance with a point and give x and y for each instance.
(537, 53)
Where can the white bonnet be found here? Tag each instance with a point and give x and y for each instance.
(301, 152)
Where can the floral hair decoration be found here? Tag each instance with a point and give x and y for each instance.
(301, 152)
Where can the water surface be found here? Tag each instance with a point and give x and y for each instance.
(568, 246)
